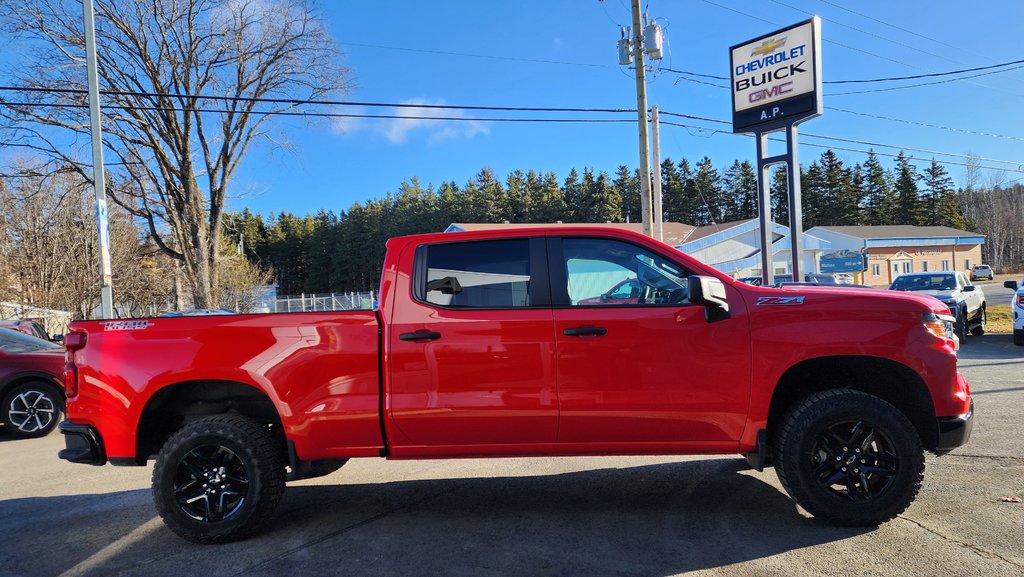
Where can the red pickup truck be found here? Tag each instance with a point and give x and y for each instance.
(492, 344)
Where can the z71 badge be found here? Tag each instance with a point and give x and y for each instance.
(126, 325)
(784, 301)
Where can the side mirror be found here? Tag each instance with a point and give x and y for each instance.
(448, 285)
(968, 288)
(709, 292)
(1010, 284)
(57, 338)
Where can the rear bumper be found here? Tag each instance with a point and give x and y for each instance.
(83, 444)
(954, 431)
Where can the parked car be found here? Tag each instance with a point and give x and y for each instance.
(31, 384)
(981, 271)
(843, 278)
(28, 327)
(1017, 310)
(966, 302)
(626, 292)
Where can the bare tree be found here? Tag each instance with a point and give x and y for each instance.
(179, 80)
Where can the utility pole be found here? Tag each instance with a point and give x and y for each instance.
(641, 112)
(659, 233)
(106, 297)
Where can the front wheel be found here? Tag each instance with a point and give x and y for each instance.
(218, 479)
(980, 328)
(849, 458)
(32, 409)
(961, 326)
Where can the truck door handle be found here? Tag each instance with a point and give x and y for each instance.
(584, 331)
(420, 336)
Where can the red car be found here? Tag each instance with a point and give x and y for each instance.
(31, 385)
(31, 328)
(626, 292)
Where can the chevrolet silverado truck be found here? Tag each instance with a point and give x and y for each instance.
(492, 344)
(966, 301)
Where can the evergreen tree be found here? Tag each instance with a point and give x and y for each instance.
(940, 198)
(909, 210)
(839, 202)
(628, 185)
(601, 201)
(812, 196)
(740, 192)
(550, 204)
(490, 196)
(881, 200)
(780, 195)
(707, 190)
(517, 206)
(572, 192)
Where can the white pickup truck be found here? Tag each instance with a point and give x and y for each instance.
(966, 301)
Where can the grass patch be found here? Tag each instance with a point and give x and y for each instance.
(999, 320)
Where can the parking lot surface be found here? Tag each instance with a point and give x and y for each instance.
(568, 516)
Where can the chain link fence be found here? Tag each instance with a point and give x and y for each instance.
(324, 302)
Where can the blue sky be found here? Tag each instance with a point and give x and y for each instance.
(395, 50)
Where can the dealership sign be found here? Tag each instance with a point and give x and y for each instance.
(776, 78)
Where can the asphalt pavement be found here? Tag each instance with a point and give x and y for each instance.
(557, 516)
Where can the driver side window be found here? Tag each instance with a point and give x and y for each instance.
(604, 272)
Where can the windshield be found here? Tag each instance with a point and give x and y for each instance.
(12, 342)
(942, 282)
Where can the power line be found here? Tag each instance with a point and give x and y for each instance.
(456, 118)
(865, 32)
(857, 150)
(889, 118)
(924, 124)
(852, 141)
(886, 79)
(300, 101)
(318, 114)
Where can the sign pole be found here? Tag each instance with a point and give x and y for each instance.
(776, 85)
(796, 213)
(764, 210)
(98, 178)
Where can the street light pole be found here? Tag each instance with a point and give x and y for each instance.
(106, 297)
(641, 112)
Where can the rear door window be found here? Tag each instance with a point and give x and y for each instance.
(479, 274)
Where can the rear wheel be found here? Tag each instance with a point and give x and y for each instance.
(849, 458)
(1018, 336)
(32, 409)
(218, 479)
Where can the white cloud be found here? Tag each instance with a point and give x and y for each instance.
(414, 119)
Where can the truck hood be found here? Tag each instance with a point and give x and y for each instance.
(941, 295)
(868, 298)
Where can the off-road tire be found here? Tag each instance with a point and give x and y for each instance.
(891, 476)
(982, 319)
(225, 459)
(961, 326)
(32, 409)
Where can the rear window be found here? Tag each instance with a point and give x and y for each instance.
(483, 274)
(13, 342)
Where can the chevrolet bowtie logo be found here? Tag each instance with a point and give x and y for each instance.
(768, 46)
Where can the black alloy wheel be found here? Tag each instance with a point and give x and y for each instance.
(854, 460)
(211, 483)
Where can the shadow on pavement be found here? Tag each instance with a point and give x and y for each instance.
(653, 520)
